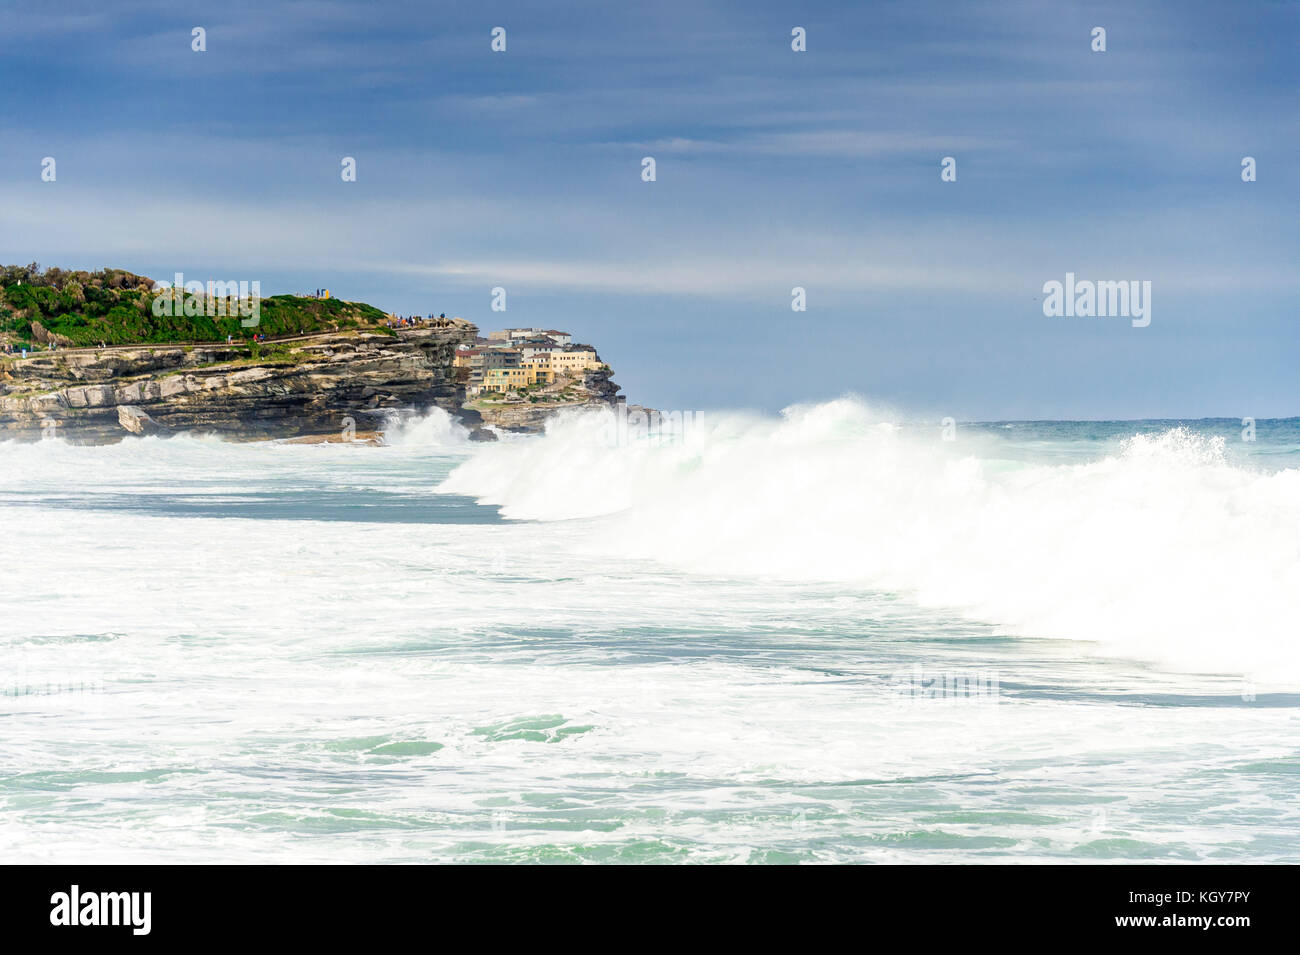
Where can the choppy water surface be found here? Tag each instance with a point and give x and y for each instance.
(821, 638)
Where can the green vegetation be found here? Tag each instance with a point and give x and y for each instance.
(116, 307)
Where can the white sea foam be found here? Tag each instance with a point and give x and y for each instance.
(301, 652)
(1163, 551)
(434, 429)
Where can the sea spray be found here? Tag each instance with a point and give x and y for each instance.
(435, 429)
(1161, 551)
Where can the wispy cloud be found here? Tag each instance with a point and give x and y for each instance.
(776, 169)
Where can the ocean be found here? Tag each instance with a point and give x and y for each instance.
(823, 636)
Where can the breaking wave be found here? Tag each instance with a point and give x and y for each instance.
(436, 429)
(1161, 550)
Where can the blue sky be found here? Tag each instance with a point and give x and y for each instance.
(775, 169)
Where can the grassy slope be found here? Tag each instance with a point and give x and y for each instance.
(89, 314)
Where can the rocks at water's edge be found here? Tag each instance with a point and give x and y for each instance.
(137, 421)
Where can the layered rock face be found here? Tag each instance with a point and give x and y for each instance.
(319, 385)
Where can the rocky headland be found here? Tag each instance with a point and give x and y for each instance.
(96, 357)
(329, 386)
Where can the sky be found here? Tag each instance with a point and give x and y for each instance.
(775, 169)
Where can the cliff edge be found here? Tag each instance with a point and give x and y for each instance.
(324, 384)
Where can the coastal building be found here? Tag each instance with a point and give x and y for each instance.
(504, 379)
(516, 358)
(501, 358)
(538, 369)
(572, 361)
(513, 333)
(471, 358)
(533, 347)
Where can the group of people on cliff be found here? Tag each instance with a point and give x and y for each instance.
(408, 321)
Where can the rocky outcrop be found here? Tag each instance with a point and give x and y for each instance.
(137, 421)
(47, 337)
(314, 385)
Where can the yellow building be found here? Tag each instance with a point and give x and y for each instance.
(542, 369)
(505, 379)
(539, 370)
(531, 372)
(573, 362)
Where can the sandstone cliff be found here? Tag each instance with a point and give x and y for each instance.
(316, 385)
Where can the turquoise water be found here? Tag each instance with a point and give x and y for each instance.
(770, 643)
(1275, 442)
